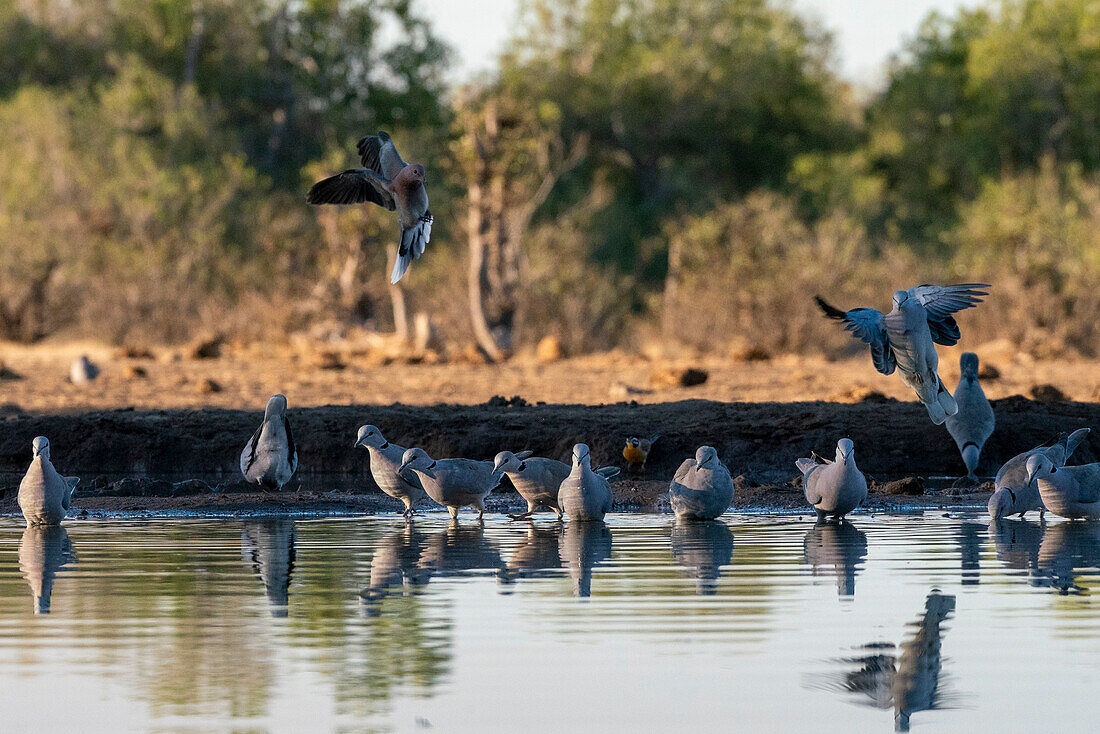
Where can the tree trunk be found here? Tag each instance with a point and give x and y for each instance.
(477, 234)
(672, 288)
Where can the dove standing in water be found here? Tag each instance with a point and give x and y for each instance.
(270, 458)
(453, 483)
(1072, 492)
(905, 339)
(972, 426)
(1014, 493)
(586, 494)
(536, 479)
(834, 488)
(385, 460)
(637, 451)
(392, 184)
(702, 488)
(44, 495)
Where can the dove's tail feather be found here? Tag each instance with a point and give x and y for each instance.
(401, 266)
(805, 465)
(608, 472)
(970, 456)
(936, 412)
(1074, 440)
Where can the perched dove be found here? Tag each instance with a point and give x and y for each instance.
(83, 370)
(1072, 492)
(392, 184)
(586, 494)
(536, 479)
(44, 495)
(270, 458)
(1014, 493)
(637, 451)
(702, 488)
(906, 338)
(385, 460)
(453, 483)
(834, 488)
(972, 426)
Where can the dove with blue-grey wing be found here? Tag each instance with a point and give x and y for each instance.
(702, 488)
(392, 184)
(536, 479)
(1014, 493)
(586, 493)
(834, 488)
(972, 426)
(270, 457)
(1072, 492)
(385, 460)
(453, 483)
(905, 339)
(44, 495)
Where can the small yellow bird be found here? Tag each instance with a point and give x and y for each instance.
(636, 452)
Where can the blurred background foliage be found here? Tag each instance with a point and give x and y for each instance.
(686, 171)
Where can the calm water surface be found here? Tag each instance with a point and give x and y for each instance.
(755, 624)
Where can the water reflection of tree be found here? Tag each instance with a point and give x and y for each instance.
(906, 678)
(836, 549)
(702, 549)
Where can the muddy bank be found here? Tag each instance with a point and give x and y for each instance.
(757, 440)
(147, 496)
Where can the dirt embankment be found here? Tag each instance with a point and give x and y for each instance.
(757, 440)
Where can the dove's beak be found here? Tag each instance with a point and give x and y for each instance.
(404, 465)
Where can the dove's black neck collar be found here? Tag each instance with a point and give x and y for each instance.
(385, 445)
(432, 465)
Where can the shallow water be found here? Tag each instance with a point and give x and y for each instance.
(751, 624)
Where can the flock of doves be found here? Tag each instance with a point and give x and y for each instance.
(902, 340)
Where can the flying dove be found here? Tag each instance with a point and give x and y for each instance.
(1072, 492)
(1014, 493)
(905, 339)
(586, 494)
(270, 458)
(385, 460)
(536, 479)
(972, 426)
(702, 488)
(392, 184)
(834, 488)
(44, 495)
(453, 483)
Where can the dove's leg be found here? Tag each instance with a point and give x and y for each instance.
(531, 507)
(454, 512)
(480, 505)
